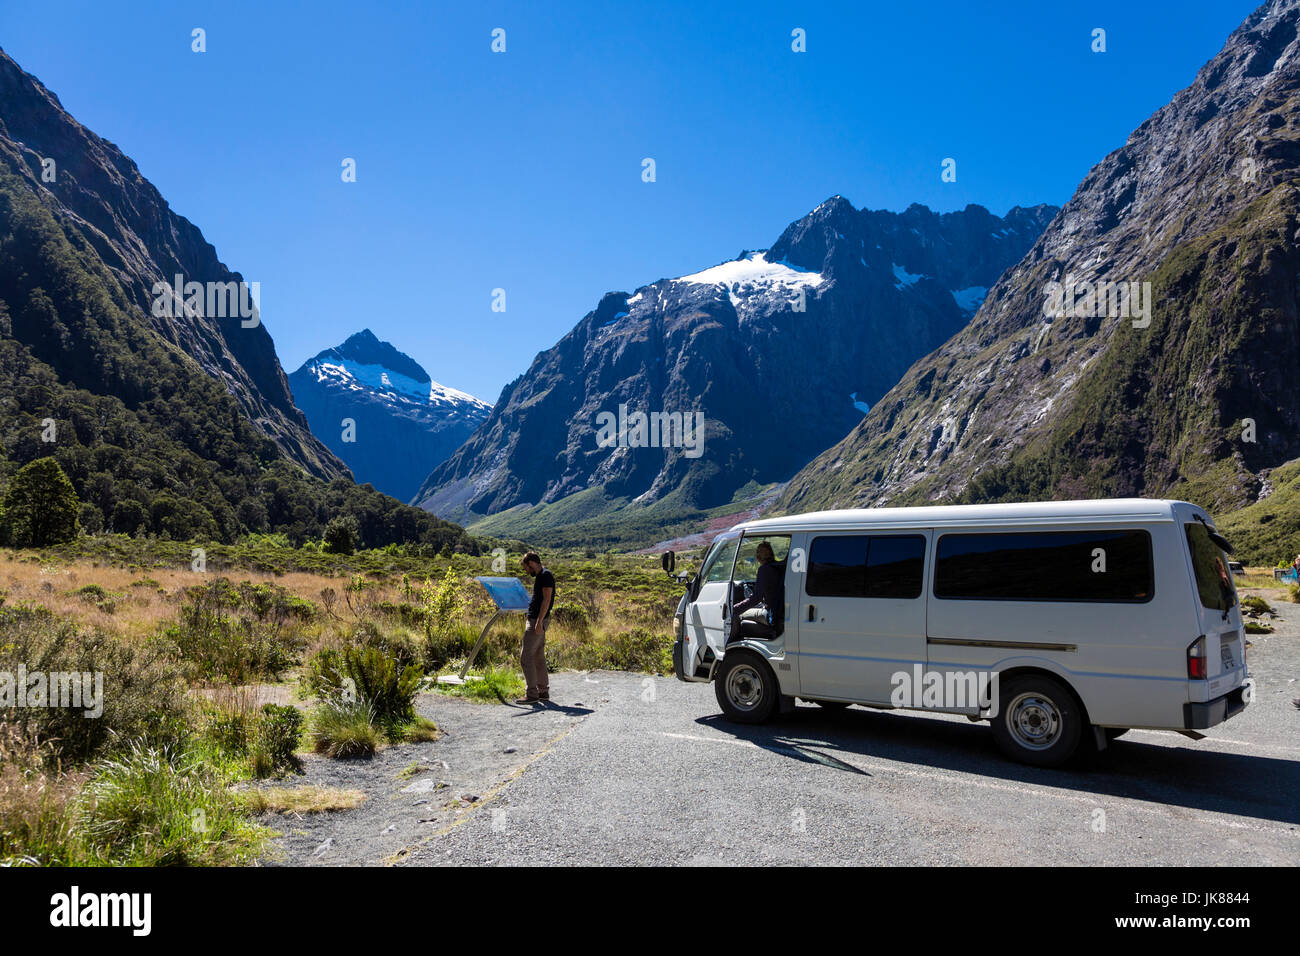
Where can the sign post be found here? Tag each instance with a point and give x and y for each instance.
(508, 594)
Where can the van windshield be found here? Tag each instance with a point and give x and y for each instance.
(1213, 580)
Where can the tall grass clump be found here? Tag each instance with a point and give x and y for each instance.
(35, 802)
(159, 806)
(343, 729)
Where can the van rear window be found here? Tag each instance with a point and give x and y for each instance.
(1213, 582)
(867, 566)
(1111, 566)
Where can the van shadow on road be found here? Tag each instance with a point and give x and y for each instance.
(1261, 787)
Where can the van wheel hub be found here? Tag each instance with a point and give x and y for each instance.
(745, 687)
(1034, 721)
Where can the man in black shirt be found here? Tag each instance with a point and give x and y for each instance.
(533, 657)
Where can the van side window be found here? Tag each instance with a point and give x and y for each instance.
(876, 566)
(1111, 566)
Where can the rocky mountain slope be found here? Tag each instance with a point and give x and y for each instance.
(778, 353)
(1041, 398)
(403, 422)
(96, 192)
(179, 426)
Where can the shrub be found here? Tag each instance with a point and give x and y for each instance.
(138, 688)
(1255, 604)
(344, 729)
(402, 646)
(106, 601)
(279, 730)
(637, 648)
(379, 682)
(575, 617)
(230, 731)
(238, 633)
(455, 641)
(323, 673)
(368, 675)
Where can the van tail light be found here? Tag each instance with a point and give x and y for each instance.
(1197, 669)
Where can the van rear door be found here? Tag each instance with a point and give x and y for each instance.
(1218, 606)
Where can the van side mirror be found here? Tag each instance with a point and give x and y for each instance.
(669, 561)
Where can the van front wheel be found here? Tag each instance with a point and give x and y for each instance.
(746, 688)
(1039, 722)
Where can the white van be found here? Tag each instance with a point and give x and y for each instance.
(1060, 622)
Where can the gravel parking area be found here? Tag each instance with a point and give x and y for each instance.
(630, 769)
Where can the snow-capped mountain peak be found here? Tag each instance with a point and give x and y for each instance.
(403, 422)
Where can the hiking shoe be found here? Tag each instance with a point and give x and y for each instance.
(544, 695)
(528, 700)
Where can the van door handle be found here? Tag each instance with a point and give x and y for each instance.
(812, 612)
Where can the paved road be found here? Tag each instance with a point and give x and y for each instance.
(654, 775)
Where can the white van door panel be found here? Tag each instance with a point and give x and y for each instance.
(707, 621)
(850, 648)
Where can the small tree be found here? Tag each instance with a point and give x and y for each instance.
(341, 535)
(441, 603)
(40, 506)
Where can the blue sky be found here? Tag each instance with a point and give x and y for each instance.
(522, 170)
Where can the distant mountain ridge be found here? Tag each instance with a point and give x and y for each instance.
(780, 350)
(404, 423)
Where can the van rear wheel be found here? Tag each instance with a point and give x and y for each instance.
(1038, 722)
(746, 688)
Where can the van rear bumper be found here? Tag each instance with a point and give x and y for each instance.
(1198, 716)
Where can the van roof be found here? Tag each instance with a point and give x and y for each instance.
(1036, 512)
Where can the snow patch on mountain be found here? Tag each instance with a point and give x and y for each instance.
(968, 300)
(754, 269)
(904, 278)
(358, 377)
